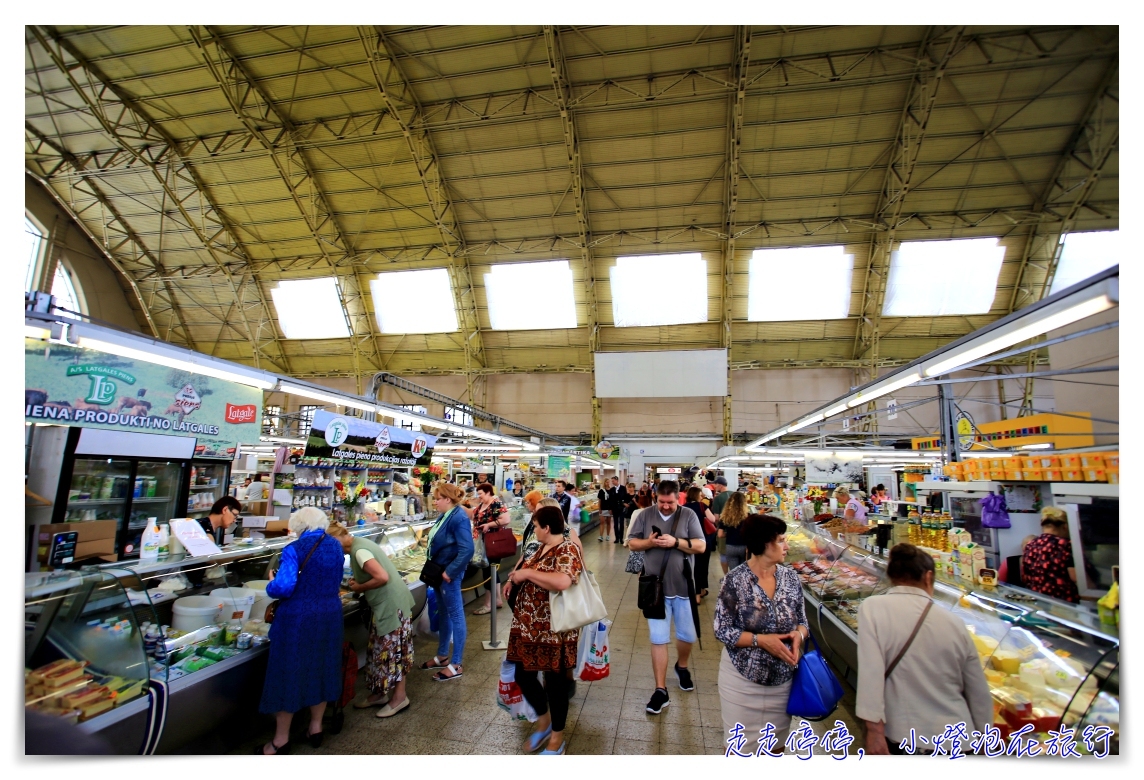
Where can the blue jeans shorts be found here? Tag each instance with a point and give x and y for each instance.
(675, 607)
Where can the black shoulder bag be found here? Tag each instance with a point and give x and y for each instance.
(651, 597)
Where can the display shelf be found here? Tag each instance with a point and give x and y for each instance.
(1089, 489)
(96, 501)
(204, 487)
(309, 487)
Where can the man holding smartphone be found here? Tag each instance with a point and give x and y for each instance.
(651, 533)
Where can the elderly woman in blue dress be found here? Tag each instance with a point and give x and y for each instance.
(761, 619)
(304, 668)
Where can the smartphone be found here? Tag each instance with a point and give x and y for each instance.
(655, 531)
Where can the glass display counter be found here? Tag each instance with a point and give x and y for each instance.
(1047, 663)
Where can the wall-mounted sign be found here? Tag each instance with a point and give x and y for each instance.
(353, 441)
(87, 388)
(559, 467)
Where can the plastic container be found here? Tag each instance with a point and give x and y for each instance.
(149, 546)
(261, 600)
(193, 612)
(237, 603)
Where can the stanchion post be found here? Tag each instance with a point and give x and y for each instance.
(493, 643)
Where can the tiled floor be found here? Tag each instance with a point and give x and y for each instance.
(605, 717)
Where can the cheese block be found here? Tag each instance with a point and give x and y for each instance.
(86, 695)
(95, 708)
(40, 676)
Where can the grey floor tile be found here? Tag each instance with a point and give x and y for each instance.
(632, 747)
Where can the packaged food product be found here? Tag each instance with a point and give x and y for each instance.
(996, 474)
(1113, 476)
(1006, 661)
(1095, 475)
(1092, 460)
(1112, 460)
(1034, 475)
(994, 677)
(1013, 464)
(1014, 474)
(997, 463)
(1072, 475)
(40, 675)
(1013, 701)
(1070, 462)
(1053, 475)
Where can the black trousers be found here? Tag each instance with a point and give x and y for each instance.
(618, 525)
(553, 694)
(703, 564)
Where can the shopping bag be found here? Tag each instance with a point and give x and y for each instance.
(815, 691)
(509, 697)
(577, 605)
(587, 634)
(596, 666)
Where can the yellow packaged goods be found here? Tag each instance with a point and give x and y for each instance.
(1113, 476)
(1053, 475)
(996, 474)
(1034, 475)
(1014, 474)
(1070, 462)
(1072, 475)
(1013, 464)
(985, 645)
(86, 695)
(1042, 462)
(58, 673)
(1006, 661)
(1112, 460)
(95, 708)
(952, 470)
(1092, 460)
(997, 463)
(1095, 475)
(1013, 700)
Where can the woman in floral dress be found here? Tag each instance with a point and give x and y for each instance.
(532, 644)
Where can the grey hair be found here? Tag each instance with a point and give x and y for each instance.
(308, 518)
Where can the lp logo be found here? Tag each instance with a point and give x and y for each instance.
(102, 390)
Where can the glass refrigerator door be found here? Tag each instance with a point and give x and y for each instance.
(155, 494)
(208, 484)
(99, 490)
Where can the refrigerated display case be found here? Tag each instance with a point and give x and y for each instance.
(1047, 662)
(206, 484)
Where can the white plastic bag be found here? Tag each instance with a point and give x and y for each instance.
(509, 696)
(596, 663)
(587, 634)
(422, 625)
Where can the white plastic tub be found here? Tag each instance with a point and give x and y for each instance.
(193, 612)
(237, 603)
(261, 600)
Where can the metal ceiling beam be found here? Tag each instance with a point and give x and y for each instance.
(275, 132)
(562, 85)
(134, 131)
(403, 106)
(1078, 168)
(735, 108)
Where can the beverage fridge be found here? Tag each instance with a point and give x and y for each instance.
(130, 478)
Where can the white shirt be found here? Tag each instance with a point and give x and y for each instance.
(574, 509)
(255, 491)
(939, 680)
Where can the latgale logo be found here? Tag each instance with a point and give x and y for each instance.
(240, 414)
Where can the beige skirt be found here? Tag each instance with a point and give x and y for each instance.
(752, 705)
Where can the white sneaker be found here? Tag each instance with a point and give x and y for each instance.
(599, 538)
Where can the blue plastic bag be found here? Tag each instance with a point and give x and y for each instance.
(994, 512)
(815, 691)
(431, 606)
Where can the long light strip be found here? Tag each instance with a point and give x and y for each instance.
(1102, 302)
(798, 426)
(1092, 297)
(158, 358)
(330, 398)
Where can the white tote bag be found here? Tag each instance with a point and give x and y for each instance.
(578, 605)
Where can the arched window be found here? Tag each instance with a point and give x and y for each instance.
(67, 292)
(33, 240)
(64, 290)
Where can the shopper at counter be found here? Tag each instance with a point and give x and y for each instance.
(1047, 563)
(224, 513)
(918, 669)
(451, 547)
(760, 618)
(305, 664)
(490, 514)
(389, 653)
(734, 512)
(532, 644)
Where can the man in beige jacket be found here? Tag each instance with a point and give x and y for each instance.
(936, 682)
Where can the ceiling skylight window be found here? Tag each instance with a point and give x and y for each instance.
(659, 290)
(414, 301)
(939, 278)
(531, 296)
(1086, 254)
(310, 309)
(775, 272)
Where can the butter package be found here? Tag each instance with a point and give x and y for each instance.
(1072, 475)
(1092, 460)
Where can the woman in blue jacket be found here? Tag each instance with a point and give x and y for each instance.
(451, 547)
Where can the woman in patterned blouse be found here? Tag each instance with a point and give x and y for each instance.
(1047, 565)
(761, 618)
(532, 644)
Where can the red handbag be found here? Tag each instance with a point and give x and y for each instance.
(499, 543)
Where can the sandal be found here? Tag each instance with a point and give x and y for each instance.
(482, 611)
(436, 663)
(537, 739)
(278, 749)
(454, 673)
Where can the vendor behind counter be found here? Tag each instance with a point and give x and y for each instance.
(224, 514)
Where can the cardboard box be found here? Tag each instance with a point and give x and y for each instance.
(89, 530)
(99, 547)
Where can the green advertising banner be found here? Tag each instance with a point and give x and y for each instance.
(559, 467)
(92, 389)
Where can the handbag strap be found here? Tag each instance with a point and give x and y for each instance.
(667, 553)
(917, 627)
(313, 547)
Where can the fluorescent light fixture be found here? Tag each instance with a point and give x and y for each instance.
(880, 390)
(842, 407)
(788, 268)
(281, 440)
(798, 426)
(328, 397)
(310, 309)
(1043, 446)
(1086, 254)
(414, 301)
(1085, 303)
(646, 290)
(208, 367)
(940, 278)
(531, 296)
(36, 332)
